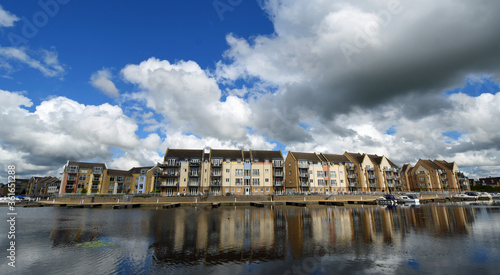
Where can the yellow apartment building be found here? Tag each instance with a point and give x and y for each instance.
(79, 175)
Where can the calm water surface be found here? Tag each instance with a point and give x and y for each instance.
(431, 239)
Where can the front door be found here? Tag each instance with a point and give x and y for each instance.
(247, 191)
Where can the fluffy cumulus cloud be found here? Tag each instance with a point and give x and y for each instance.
(371, 76)
(101, 80)
(61, 129)
(190, 101)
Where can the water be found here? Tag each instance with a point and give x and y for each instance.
(430, 239)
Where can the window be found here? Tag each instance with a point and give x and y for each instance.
(310, 172)
(84, 171)
(238, 182)
(262, 190)
(289, 164)
(228, 171)
(255, 181)
(267, 189)
(228, 161)
(227, 190)
(227, 179)
(266, 171)
(333, 174)
(334, 182)
(341, 172)
(81, 185)
(267, 180)
(112, 178)
(256, 190)
(321, 182)
(238, 172)
(319, 173)
(82, 177)
(128, 179)
(136, 180)
(290, 173)
(238, 190)
(111, 186)
(255, 172)
(311, 180)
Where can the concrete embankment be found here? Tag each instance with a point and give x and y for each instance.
(122, 202)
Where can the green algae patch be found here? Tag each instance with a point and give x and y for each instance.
(95, 244)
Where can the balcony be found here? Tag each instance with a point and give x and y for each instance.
(304, 165)
(303, 175)
(216, 164)
(170, 174)
(97, 172)
(94, 186)
(389, 177)
(193, 183)
(194, 173)
(216, 174)
(169, 164)
(353, 184)
(370, 169)
(373, 185)
(194, 163)
(350, 166)
(278, 174)
(278, 183)
(71, 178)
(169, 184)
(304, 184)
(352, 176)
(372, 177)
(69, 186)
(216, 183)
(391, 185)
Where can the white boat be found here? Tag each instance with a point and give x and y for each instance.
(484, 195)
(387, 199)
(466, 195)
(409, 199)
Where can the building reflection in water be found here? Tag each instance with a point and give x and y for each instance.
(215, 236)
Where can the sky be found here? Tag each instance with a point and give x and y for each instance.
(121, 81)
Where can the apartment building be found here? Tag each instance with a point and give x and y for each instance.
(116, 182)
(82, 175)
(145, 179)
(375, 173)
(42, 186)
(437, 175)
(220, 172)
(491, 181)
(316, 173)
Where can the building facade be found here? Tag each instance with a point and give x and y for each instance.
(78, 176)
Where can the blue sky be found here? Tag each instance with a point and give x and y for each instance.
(120, 81)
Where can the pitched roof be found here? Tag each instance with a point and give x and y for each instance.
(444, 163)
(376, 159)
(86, 164)
(184, 153)
(306, 156)
(431, 164)
(335, 158)
(226, 154)
(263, 154)
(246, 155)
(357, 156)
(137, 170)
(115, 172)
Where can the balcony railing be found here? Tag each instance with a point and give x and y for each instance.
(69, 186)
(95, 186)
(194, 163)
(193, 183)
(277, 164)
(303, 175)
(390, 185)
(350, 166)
(372, 177)
(216, 183)
(194, 174)
(353, 184)
(278, 174)
(278, 183)
(216, 174)
(216, 164)
(304, 184)
(169, 184)
(304, 165)
(373, 185)
(352, 176)
(171, 174)
(169, 164)
(71, 178)
(389, 177)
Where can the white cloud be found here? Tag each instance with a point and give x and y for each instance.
(49, 65)
(189, 99)
(101, 81)
(61, 129)
(7, 19)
